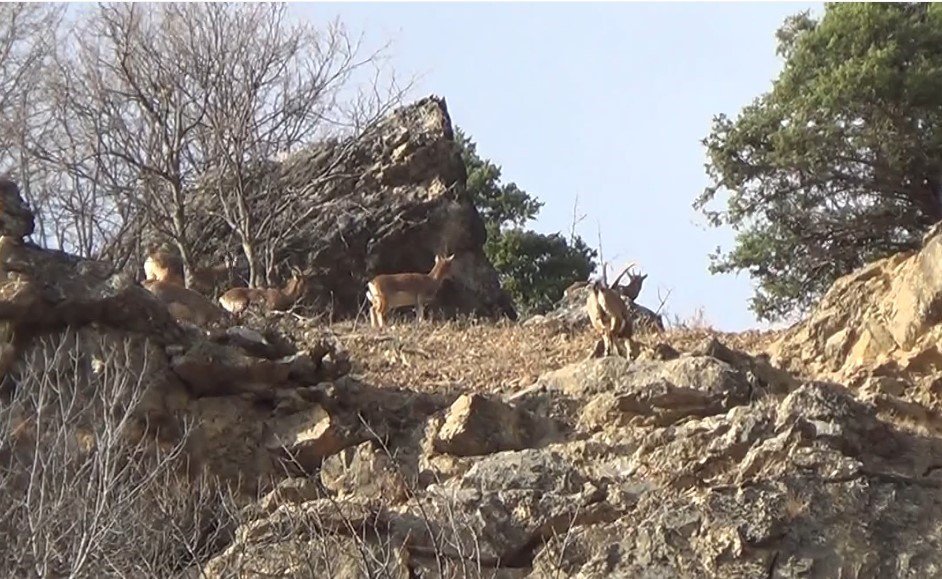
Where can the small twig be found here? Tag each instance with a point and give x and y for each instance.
(662, 300)
(576, 220)
(598, 225)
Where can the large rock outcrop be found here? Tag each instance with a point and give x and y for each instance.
(383, 203)
(712, 463)
(881, 319)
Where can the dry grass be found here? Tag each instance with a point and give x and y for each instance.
(466, 355)
(480, 356)
(751, 341)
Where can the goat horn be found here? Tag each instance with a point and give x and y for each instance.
(624, 271)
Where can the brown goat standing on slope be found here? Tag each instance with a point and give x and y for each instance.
(610, 317)
(238, 299)
(397, 290)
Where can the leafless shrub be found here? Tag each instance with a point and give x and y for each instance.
(27, 43)
(275, 87)
(110, 123)
(87, 486)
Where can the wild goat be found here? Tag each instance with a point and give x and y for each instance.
(610, 317)
(397, 290)
(633, 289)
(162, 265)
(166, 266)
(238, 299)
(630, 291)
(184, 304)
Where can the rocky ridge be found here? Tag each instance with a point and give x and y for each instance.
(708, 462)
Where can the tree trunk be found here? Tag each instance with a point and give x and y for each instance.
(248, 249)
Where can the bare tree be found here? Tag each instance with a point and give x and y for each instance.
(135, 91)
(28, 33)
(143, 116)
(277, 87)
(87, 487)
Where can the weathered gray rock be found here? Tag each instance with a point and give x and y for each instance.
(503, 508)
(773, 489)
(364, 471)
(384, 204)
(319, 538)
(16, 220)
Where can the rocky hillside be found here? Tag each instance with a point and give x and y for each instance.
(468, 449)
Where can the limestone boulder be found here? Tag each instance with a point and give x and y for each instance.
(884, 317)
(367, 471)
(478, 425)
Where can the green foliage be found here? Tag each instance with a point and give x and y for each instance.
(534, 268)
(841, 162)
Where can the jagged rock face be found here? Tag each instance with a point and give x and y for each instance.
(885, 316)
(16, 220)
(696, 466)
(399, 200)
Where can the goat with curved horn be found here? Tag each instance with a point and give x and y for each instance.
(627, 269)
(610, 317)
(635, 281)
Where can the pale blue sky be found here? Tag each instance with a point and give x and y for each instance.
(607, 101)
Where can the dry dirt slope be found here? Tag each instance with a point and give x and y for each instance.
(488, 357)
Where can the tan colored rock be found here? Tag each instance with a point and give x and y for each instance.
(477, 425)
(365, 471)
(291, 491)
(309, 436)
(885, 313)
(596, 394)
